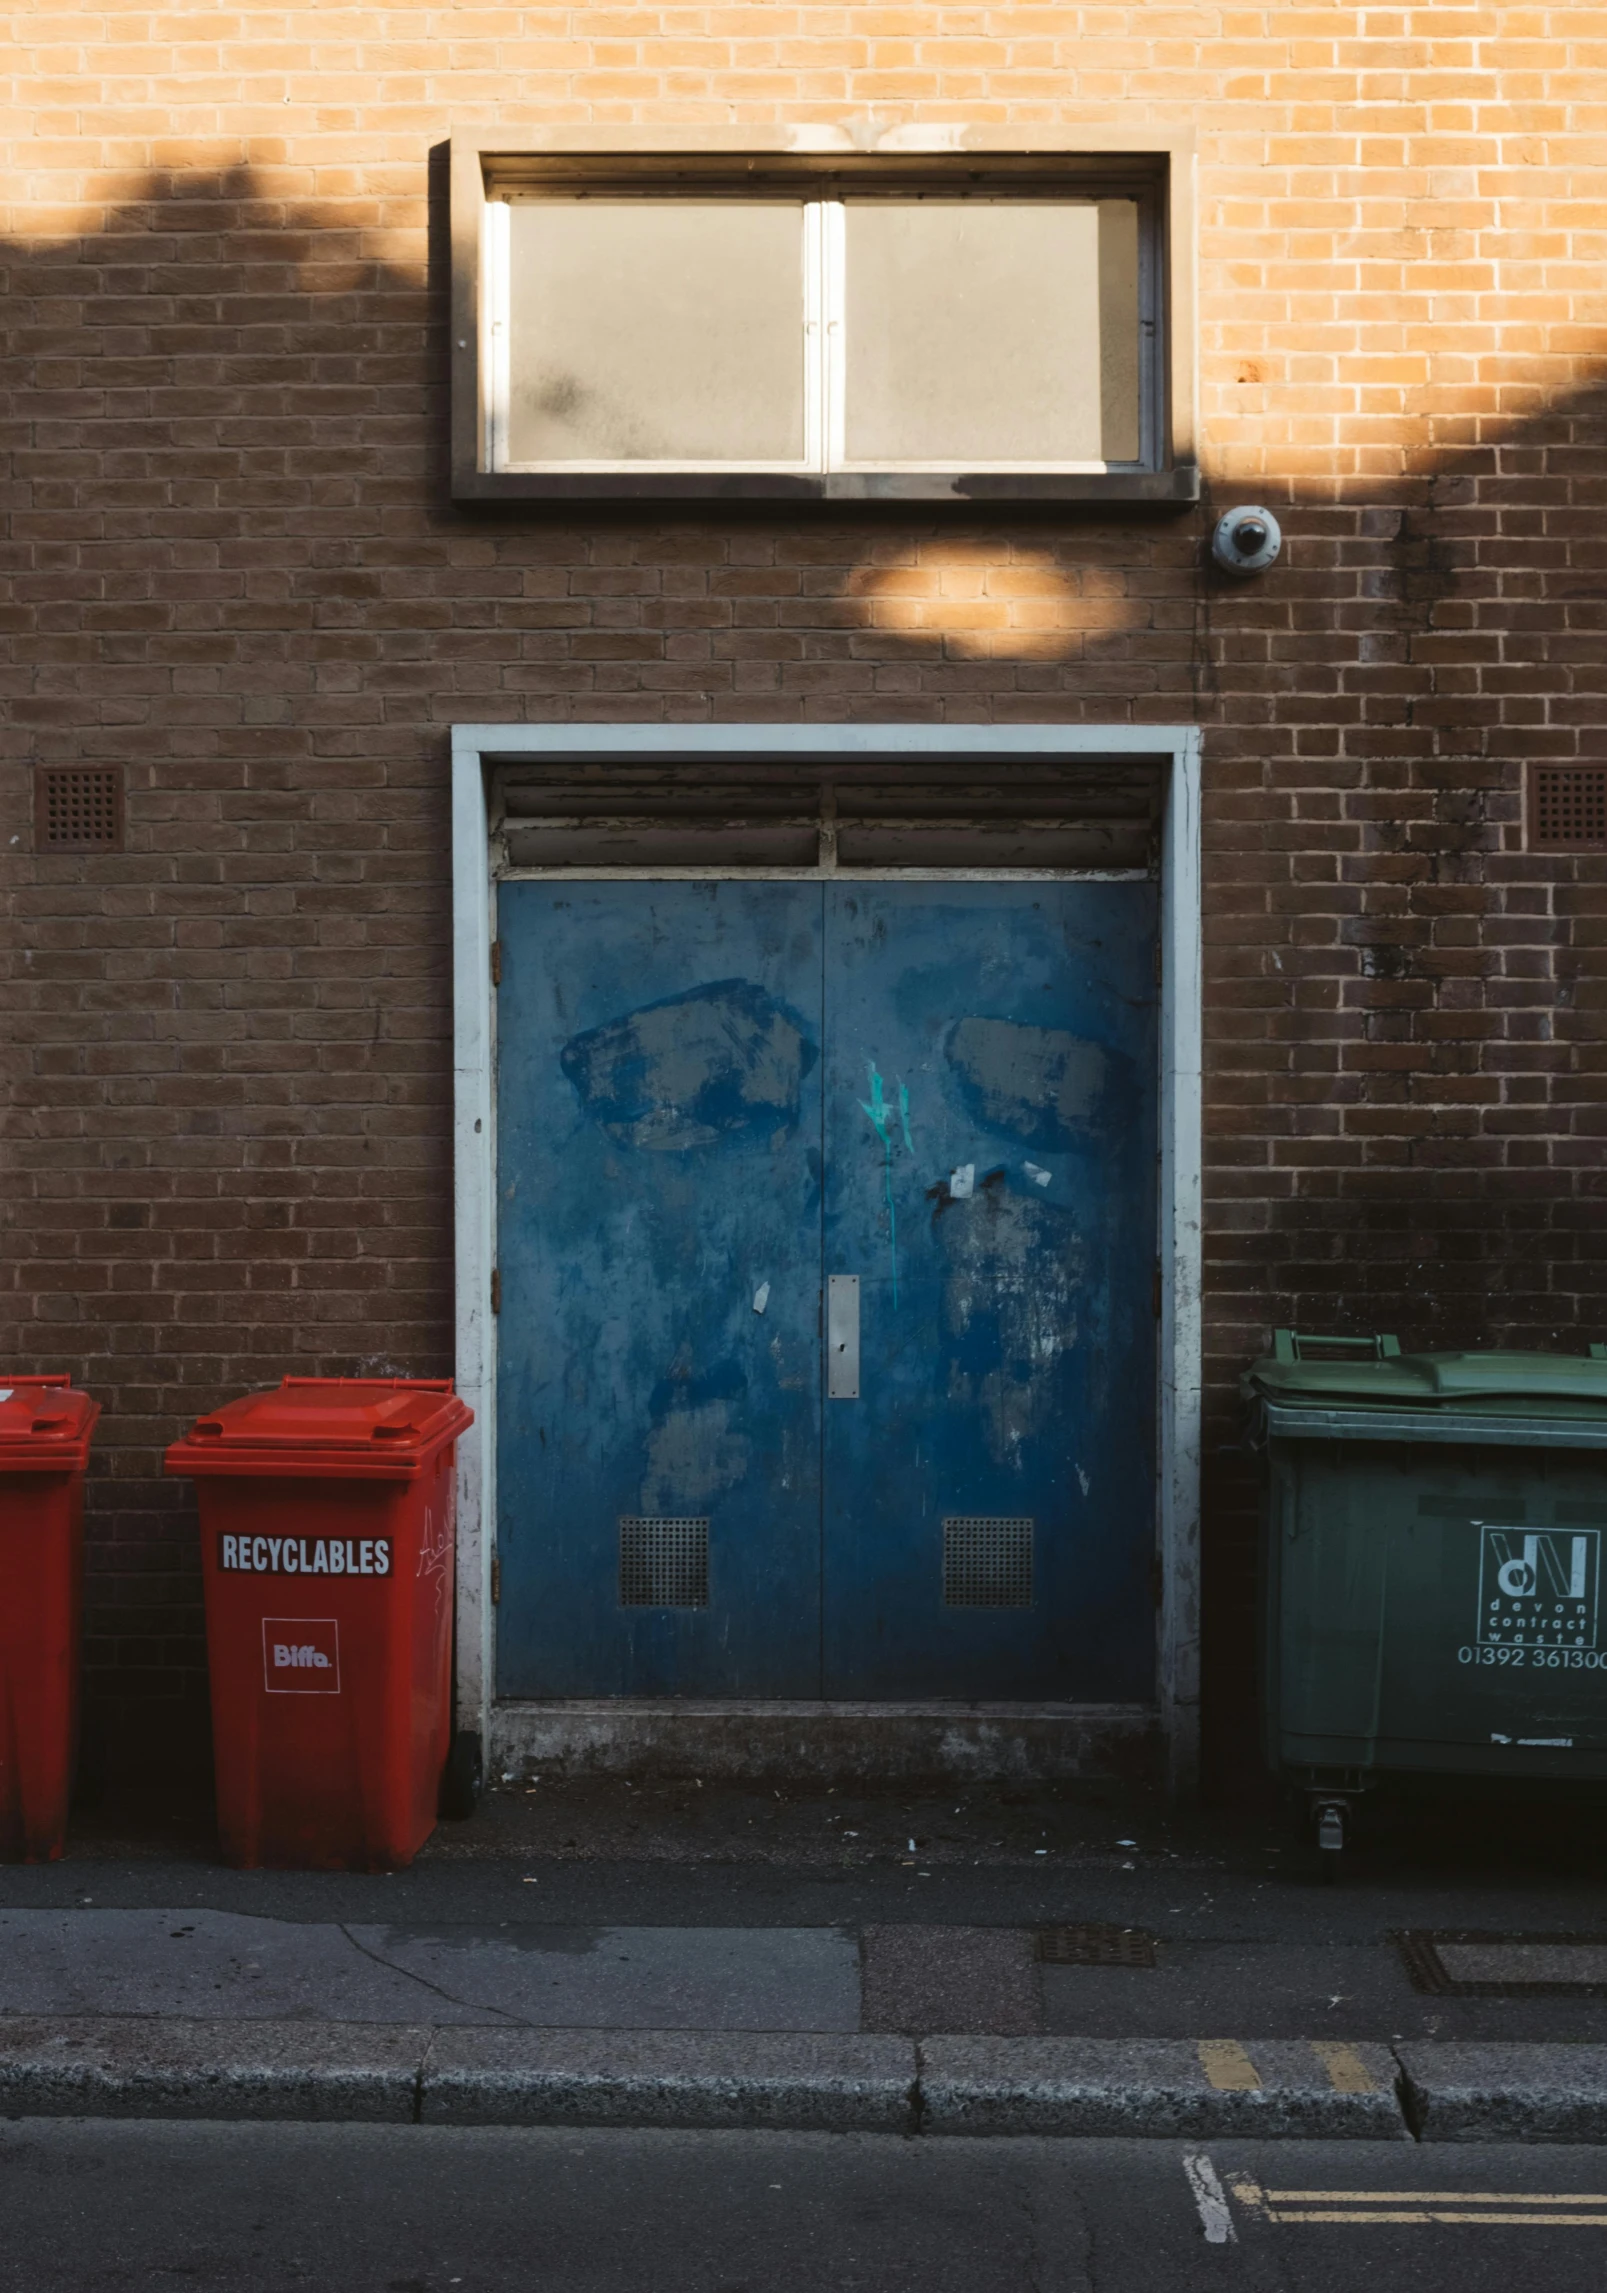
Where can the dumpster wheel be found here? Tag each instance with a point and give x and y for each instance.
(1331, 1815)
(462, 1777)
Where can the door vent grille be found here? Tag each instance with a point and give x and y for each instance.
(987, 1560)
(663, 1563)
(1568, 808)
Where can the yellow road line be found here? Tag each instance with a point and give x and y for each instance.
(1447, 2214)
(1347, 2072)
(1227, 2067)
(1424, 2197)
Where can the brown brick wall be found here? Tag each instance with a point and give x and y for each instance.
(229, 565)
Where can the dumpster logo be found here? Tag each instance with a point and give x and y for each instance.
(1538, 1587)
(301, 1655)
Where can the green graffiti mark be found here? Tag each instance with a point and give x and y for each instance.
(881, 1118)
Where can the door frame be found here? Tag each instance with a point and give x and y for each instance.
(477, 751)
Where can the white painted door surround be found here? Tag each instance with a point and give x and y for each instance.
(477, 752)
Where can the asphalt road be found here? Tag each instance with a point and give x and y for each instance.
(119, 2208)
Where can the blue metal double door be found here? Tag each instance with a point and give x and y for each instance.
(827, 1339)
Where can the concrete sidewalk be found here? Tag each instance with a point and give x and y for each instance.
(998, 1960)
(891, 2026)
(496, 1953)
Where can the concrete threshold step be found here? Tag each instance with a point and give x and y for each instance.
(168, 2067)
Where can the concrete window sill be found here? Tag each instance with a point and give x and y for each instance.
(1178, 485)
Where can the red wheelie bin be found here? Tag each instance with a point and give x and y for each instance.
(328, 1546)
(45, 1429)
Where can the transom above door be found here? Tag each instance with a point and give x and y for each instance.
(826, 1237)
(947, 811)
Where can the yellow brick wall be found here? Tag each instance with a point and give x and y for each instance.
(1403, 221)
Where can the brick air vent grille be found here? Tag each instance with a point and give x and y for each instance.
(78, 808)
(663, 1563)
(1093, 1945)
(1568, 808)
(987, 1560)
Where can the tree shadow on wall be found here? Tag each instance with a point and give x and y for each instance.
(237, 571)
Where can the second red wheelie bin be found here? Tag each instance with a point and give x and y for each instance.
(328, 1538)
(45, 1429)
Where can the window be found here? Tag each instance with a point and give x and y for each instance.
(653, 332)
(875, 333)
(910, 327)
(990, 334)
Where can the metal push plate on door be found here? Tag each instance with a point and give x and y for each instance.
(842, 1337)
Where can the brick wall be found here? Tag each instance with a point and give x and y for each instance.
(229, 565)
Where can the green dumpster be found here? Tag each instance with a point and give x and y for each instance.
(1432, 1535)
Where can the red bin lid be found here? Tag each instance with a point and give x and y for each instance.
(45, 1424)
(335, 1424)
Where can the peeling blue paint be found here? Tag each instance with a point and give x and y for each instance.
(701, 1443)
(723, 1061)
(727, 1381)
(1043, 1085)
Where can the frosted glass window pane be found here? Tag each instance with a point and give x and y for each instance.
(656, 330)
(986, 331)
(1120, 332)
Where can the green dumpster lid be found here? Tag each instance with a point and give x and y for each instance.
(1321, 1370)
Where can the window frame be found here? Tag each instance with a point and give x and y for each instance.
(822, 170)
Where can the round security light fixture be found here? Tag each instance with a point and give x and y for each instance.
(1246, 541)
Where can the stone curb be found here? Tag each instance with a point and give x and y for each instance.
(1455, 2092)
(1260, 2090)
(149, 2067)
(164, 2067)
(479, 2077)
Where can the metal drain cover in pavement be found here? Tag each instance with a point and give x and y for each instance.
(1505, 1966)
(1096, 1946)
